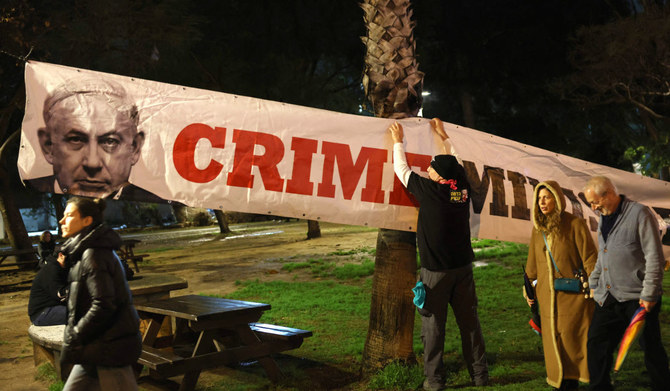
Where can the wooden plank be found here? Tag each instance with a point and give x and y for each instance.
(150, 334)
(226, 323)
(152, 283)
(217, 359)
(249, 338)
(156, 358)
(189, 380)
(200, 308)
(279, 331)
(4, 254)
(13, 267)
(14, 251)
(135, 259)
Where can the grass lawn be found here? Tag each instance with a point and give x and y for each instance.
(335, 306)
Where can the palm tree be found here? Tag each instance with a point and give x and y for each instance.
(393, 85)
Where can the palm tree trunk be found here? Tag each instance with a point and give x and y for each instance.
(390, 331)
(393, 85)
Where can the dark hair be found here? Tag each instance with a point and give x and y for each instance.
(44, 235)
(93, 207)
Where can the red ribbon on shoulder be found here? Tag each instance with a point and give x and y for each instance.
(450, 182)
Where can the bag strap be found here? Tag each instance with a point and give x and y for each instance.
(550, 254)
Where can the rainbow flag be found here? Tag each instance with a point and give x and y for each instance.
(632, 331)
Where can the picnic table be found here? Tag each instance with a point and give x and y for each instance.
(48, 340)
(154, 286)
(16, 265)
(127, 252)
(211, 332)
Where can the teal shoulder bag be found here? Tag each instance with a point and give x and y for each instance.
(563, 284)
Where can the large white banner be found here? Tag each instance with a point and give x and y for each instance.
(216, 150)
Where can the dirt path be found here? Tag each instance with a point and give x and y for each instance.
(210, 263)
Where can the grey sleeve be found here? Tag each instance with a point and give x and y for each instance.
(650, 241)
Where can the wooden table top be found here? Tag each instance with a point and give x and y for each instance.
(202, 308)
(147, 283)
(130, 242)
(13, 251)
(4, 253)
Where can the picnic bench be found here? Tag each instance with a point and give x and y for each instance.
(18, 264)
(47, 346)
(48, 340)
(127, 252)
(212, 332)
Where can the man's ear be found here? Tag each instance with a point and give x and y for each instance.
(44, 137)
(138, 142)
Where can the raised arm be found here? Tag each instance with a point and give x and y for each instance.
(438, 127)
(400, 166)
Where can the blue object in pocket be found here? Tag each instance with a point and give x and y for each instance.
(419, 294)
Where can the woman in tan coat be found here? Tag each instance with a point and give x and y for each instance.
(565, 316)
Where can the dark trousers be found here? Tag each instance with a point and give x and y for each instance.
(51, 316)
(607, 328)
(456, 288)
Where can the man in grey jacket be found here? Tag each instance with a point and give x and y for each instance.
(628, 274)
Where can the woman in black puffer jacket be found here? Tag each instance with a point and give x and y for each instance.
(102, 335)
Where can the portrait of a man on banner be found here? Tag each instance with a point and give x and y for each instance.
(91, 139)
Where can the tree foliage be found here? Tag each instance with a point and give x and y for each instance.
(625, 64)
(494, 65)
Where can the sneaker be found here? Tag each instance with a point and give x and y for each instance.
(432, 387)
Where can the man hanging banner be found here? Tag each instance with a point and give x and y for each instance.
(98, 134)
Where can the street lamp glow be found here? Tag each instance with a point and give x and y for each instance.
(425, 93)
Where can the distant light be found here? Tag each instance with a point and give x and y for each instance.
(425, 93)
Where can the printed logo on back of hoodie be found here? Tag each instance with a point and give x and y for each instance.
(459, 196)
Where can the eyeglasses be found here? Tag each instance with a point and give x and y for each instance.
(597, 203)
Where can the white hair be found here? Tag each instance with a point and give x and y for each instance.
(600, 185)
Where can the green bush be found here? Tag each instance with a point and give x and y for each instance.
(201, 219)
